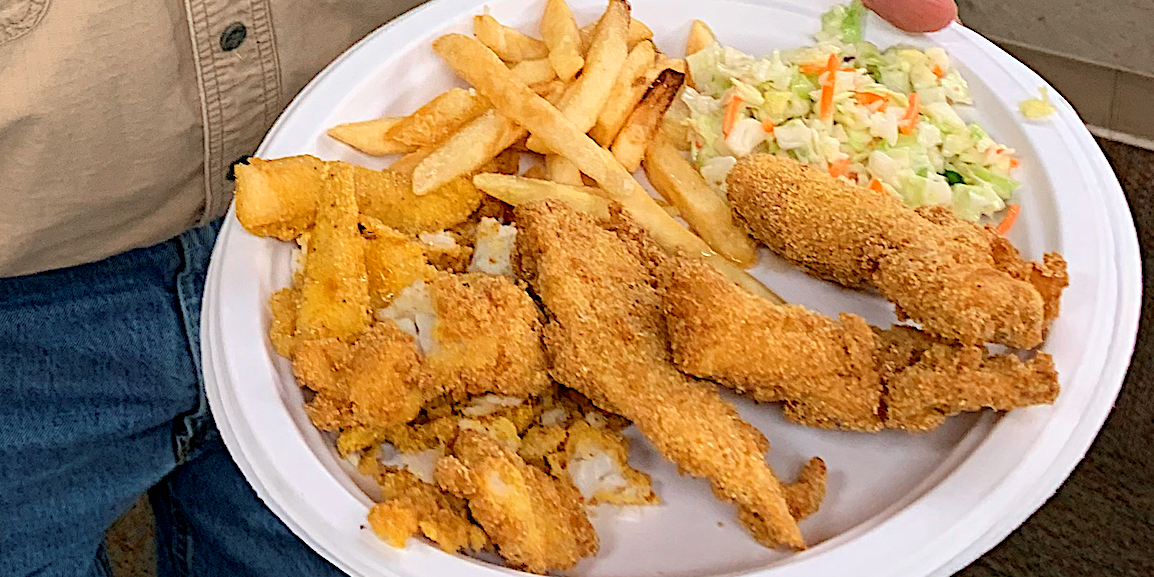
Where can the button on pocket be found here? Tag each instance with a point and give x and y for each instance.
(18, 17)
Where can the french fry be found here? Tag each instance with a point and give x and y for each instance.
(559, 31)
(408, 163)
(466, 150)
(707, 214)
(700, 36)
(675, 124)
(370, 136)
(484, 70)
(562, 171)
(335, 290)
(583, 102)
(438, 118)
(534, 71)
(627, 91)
(511, 45)
(665, 62)
(629, 146)
(638, 32)
(516, 190)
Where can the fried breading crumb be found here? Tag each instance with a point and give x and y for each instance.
(806, 493)
(597, 461)
(412, 505)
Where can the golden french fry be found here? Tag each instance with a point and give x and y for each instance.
(511, 45)
(664, 62)
(408, 163)
(683, 186)
(638, 32)
(629, 146)
(675, 124)
(583, 102)
(516, 190)
(484, 70)
(700, 36)
(534, 71)
(335, 290)
(559, 31)
(438, 118)
(628, 88)
(370, 136)
(467, 150)
(562, 171)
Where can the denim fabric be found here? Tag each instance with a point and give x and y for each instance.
(101, 400)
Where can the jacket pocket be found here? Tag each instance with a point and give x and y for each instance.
(18, 17)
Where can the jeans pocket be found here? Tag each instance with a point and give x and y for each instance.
(18, 17)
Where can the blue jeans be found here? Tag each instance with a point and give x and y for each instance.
(101, 400)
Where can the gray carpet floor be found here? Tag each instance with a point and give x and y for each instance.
(1099, 524)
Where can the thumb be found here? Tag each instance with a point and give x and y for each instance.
(915, 15)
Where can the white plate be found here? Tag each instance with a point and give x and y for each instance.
(898, 504)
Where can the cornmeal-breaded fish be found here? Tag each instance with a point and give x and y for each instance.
(606, 339)
(865, 379)
(956, 279)
(537, 522)
(413, 507)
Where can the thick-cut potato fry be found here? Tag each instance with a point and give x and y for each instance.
(627, 91)
(278, 198)
(665, 62)
(534, 71)
(438, 118)
(468, 149)
(700, 36)
(559, 31)
(629, 146)
(683, 186)
(511, 45)
(370, 136)
(408, 163)
(517, 190)
(335, 288)
(675, 124)
(584, 101)
(485, 71)
(638, 32)
(563, 171)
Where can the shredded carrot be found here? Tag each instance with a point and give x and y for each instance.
(871, 100)
(730, 115)
(837, 167)
(910, 120)
(811, 68)
(876, 186)
(1014, 162)
(767, 125)
(1008, 220)
(937, 70)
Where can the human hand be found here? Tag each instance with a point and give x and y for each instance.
(915, 15)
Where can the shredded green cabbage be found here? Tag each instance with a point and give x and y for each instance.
(938, 159)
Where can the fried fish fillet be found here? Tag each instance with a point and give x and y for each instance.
(413, 507)
(958, 280)
(606, 339)
(862, 379)
(538, 523)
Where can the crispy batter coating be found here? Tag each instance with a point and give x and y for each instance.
(806, 493)
(538, 523)
(606, 338)
(823, 368)
(899, 378)
(392, 261)
(927, 379)
(597, 461)
(383, 376)
(937, 269)
(487, 337)
(334, 287)
(413, 506)
(283, 330)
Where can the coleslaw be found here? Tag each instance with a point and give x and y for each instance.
(885, 119)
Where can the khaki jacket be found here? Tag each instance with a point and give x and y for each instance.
(120, 119)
